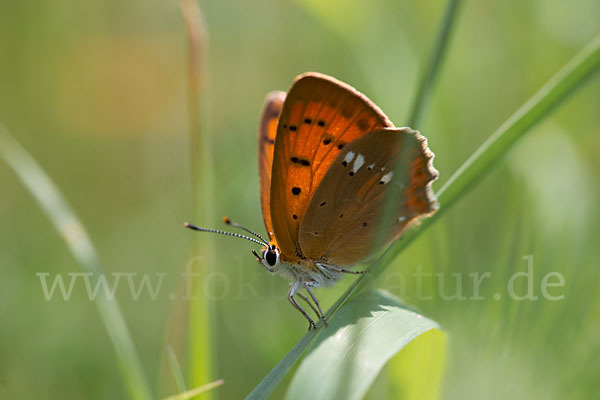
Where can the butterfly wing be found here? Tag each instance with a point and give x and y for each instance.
(266, 144)
(320, 116)
(343, 216)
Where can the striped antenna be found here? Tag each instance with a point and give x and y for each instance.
(236, 225)
(197, 228)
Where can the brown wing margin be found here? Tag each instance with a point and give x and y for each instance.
(266, 144)
(320, 116)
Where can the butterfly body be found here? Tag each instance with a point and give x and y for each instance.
(328, 158)
(307, 271)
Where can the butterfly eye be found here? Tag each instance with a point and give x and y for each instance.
(271, 257)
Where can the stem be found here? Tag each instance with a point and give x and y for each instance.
(200, 311)
(437, 57)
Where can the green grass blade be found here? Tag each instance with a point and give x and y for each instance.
(554, 92)
(433, 66)
(430, 73)
(361, 338)
(70, 228)
(200, 337)
(179, 380)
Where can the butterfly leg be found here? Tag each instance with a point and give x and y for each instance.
(307, 286)
(303, 297)
(338, 269)
(294, 303)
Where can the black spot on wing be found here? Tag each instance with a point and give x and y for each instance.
(301, 161)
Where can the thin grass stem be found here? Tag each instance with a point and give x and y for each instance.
(200, 335)
(434, 64)
(426, 85)
(176, 369)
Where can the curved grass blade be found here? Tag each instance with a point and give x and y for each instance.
(66, 222)
(554, 92)
(361, 338)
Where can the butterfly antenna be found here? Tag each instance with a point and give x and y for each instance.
(197, 228)
(236, 225)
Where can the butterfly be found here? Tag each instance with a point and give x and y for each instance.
(327, 158)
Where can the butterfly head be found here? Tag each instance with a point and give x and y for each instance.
(269, 257)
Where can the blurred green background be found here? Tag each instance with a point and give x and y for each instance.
(96, 91)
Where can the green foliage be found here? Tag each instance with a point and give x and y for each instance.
(98, 98)
(70, 228)
(347, 357)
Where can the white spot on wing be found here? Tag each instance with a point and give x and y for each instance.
(400, 219)
(349, 156)
(370, 167)
(387, 177)
(360, 160)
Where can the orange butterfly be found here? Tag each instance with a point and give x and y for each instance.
(327, 157)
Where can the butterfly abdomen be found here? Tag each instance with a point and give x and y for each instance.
(309, 271)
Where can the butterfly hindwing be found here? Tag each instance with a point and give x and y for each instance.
(266, 145)
(341, 220)
(320, 117)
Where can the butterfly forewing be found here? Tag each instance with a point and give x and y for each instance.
(343, 216)
(320, 117)
(266, 145)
